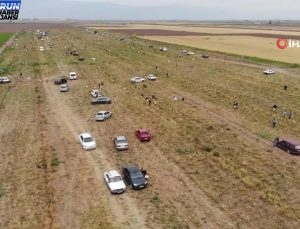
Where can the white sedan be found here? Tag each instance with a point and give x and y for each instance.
(151, 77)
(114, 182)
(103, 115)
(73, 76)
(87, 141)
(137, 79)
(269, 72)
(4, 79)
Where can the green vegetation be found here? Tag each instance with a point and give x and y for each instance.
(4, 37)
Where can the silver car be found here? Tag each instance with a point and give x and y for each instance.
(64, 88)
(103, 115)
(121, 143)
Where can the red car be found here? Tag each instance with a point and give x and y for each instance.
(143, 135)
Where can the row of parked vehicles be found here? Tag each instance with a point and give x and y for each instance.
(138, 79)
(131, 174)
(63, 82)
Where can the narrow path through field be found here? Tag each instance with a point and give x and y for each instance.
(123, 208)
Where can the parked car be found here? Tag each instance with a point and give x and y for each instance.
(114, 182)
(137, 79)
(143, 135)
(73, 76)
(4, 79)
(121, 143)
(103, 115)
(205, 56)
(269, 72)
(134, 177)
(95, 93)
(190, 53)
(60, 80)
(87, 141)
(101, 100)
(64, 88)
(81, 58)
(151, 77)
(289, 146)
(163, 49)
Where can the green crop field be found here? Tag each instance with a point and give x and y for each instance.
(4, 37)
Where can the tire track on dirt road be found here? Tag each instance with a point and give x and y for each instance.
(123, 208)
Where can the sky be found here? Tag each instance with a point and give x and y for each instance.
(161, 9)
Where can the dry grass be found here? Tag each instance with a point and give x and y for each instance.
(206, 162)
(202, 29)
(242, 45)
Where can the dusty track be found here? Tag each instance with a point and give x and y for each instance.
(124, 209)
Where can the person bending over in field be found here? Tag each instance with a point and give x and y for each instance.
(235, 105)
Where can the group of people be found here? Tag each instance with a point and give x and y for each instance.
(150, 99)
(274, 122)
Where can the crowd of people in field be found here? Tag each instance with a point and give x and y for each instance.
(275, 109)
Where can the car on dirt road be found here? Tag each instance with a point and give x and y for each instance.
(134, 177)
(87, 141)
(205, 56)
(190, 53)
(114, 182)
(121, 143)
(95, 93)
(143, 135)
(289, 146)
(73, 76)
(137, 79)
(101, 100)
(269, 72)
(151, 77)
(5, 79)
(103, 115)
(60, 80)
(64, 88)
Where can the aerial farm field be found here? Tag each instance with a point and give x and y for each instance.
(209, 166)
(259, 41)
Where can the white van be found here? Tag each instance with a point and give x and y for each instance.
(73, 76)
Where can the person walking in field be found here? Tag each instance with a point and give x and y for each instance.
(274, 122)
(274, 107)
(285, 87)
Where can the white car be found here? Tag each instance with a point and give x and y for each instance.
(64, 88)
(190, 53)
(151, 77)
(103, 115)
(87, 141)
(4, 79)
(73, 76)
(269, 72)
(95, 93)
(114, 182)
(137, 79)
(163, 49)
(121, 143)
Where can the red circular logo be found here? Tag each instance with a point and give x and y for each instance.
(282, 43)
